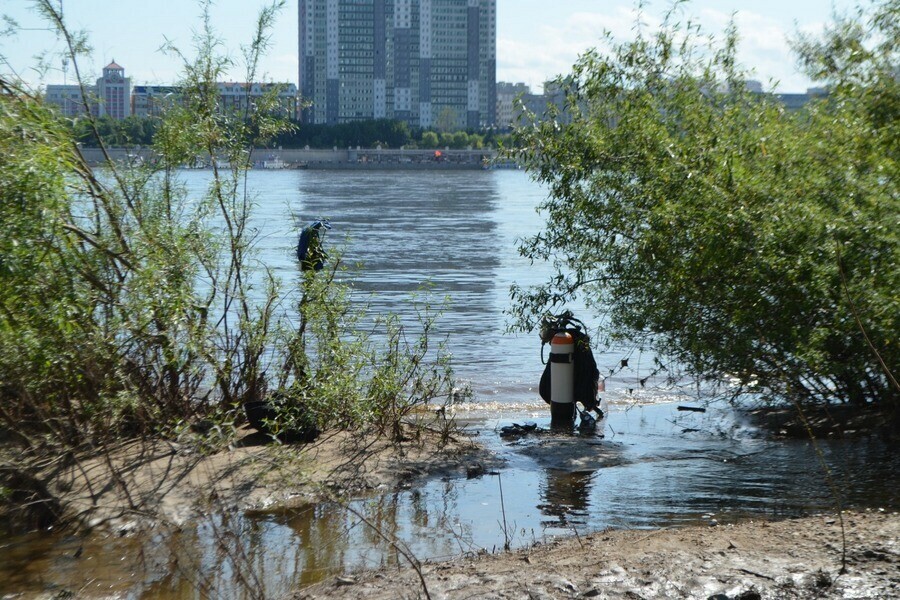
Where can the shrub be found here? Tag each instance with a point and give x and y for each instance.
(127, 307)
(720, 229)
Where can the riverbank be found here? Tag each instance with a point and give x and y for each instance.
(798, 558)
(139, 484)
(271, 509)
(351, 158)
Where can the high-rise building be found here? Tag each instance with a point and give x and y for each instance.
(114, 92)
(431, 63)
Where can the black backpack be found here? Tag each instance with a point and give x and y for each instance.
(587, 375)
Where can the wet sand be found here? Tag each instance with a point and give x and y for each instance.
(791, 559)
(138, 485)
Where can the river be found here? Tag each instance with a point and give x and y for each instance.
(446, 237)
(456, 233)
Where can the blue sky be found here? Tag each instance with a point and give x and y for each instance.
(537, 39)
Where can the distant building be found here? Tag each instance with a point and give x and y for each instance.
(114, 97)
(430, 63)
(507, 96)
(111, 96)
(754, 86)
(238, 97)
(555, 96)
(152, 100)
(798, 101)
(114, 92)
(69, 100)
(514, 99)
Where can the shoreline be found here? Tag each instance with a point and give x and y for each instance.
(180, 485)
(790, 559)
(825, 422)
(137, 485)
(172, 477)
(363, 159)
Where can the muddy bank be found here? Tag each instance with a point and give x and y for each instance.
(136, 485)
(800, 558)
(255, 513)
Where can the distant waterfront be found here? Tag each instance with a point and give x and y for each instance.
(340, 158)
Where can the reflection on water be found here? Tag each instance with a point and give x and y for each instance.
(565, 496)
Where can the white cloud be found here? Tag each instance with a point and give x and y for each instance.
(555, 49)
(763, 44)
(763, 47)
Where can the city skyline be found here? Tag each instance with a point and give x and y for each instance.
(535, 42)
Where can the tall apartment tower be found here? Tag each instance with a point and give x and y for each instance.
(431, 63)
(114, 92)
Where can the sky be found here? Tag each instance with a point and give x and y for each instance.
(536, 39)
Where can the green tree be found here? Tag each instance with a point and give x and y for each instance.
(116, 302)
(715, 227)
(429, 139)
(460, 140)
(447, 120)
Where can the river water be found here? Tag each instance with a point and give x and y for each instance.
(446, 237)
(455, 233)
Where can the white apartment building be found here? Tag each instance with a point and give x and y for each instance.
(69, 99)
(507, 95)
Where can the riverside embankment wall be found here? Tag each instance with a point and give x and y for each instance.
(335, 158)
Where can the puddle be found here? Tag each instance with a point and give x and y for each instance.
(654, 466)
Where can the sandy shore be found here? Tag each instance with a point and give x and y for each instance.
(799, 558)
(139, 484)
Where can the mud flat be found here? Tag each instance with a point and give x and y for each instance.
(136, 485)
(798, 558)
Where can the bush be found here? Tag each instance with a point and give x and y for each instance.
(722, 230)
(127, 307)
(339, 371)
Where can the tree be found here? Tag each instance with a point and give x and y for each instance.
(447, 120)
(116, 301)
(429, 139)
(365, 133)
(721, 230)
(460, 140)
